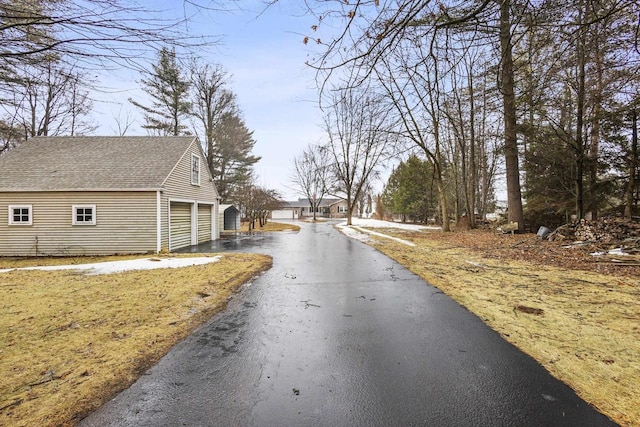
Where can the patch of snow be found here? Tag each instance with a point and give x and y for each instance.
(111, 267)
(375, 233)
(353, 233)
(376, 223)
(357, 232)
(616, 251)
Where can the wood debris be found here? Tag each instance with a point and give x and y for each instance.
(611, 238)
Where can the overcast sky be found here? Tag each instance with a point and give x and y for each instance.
(265, 55)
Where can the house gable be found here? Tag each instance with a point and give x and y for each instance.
(179, 188)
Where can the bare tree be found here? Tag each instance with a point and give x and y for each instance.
(415, 93)
(257, 202)
(311, 174)
(211, 100)
(123, 120)
(371, 32)
(95, 33)
(360, 136)
(46, 100)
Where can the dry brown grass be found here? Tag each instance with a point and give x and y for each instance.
(582, 326)
(269, 226)
(69, 342)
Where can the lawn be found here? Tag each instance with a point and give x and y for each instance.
(577, 317)
(69, 342)
(269, 226)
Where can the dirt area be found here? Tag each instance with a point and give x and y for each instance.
(577, 314)
(70, 341)
(268, 227)
(528, 247)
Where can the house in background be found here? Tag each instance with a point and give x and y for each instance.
(300, 209)
(105, 195)
(228, 218)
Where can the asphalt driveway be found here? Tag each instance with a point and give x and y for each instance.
(337, 334)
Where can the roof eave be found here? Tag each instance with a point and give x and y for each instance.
(79, 190)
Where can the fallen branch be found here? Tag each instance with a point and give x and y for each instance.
(14, 403)
(46, 380)
(529, 310)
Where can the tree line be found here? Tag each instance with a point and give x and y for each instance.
(52, 50)
(544, 93)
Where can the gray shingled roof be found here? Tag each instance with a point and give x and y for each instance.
(91, 163)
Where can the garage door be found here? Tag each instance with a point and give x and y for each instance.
(180, 225)
(204, 223)
(282, 214)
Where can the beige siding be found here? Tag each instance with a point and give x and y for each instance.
(125, 223)
(178, 187)
(204, 223)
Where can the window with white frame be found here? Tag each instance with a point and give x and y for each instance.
(84, 214)
(195, 169)
(342, 209)
(20, 214)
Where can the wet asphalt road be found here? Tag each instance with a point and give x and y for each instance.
(337, 334)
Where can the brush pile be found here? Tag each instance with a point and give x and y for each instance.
(608, 231)
(612, 240)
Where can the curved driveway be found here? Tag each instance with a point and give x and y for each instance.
(337, 334)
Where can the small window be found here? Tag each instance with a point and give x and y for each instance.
(84, 214)
(20, 215)
(195, 169)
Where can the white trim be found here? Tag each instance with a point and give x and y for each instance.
(194, 223)
(23, 223)
(168, 224)
(158, 222)
(178, 200)
(214, 220)
(192, 169)
(74, 215)
(182, 157)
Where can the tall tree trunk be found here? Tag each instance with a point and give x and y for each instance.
(473, 178)
(633, 165)
(594, 145)
(349, 210)
(579, 143)
(514, 195)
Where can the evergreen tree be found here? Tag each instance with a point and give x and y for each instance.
(232, 160)
(410, 191)
(169, 91)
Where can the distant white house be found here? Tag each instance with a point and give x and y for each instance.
(105, 195)
(328, 208)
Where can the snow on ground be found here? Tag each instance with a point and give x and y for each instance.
(376, 223)
(357, 232)
(125, 265)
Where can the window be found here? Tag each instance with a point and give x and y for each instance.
(342, 209)
(84, 214)
(20, 215)
(195, 169)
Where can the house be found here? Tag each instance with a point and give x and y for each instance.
(228, 218)
(328, 208)
(105, 195)
(289, 210)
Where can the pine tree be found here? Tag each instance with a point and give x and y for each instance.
(410, 191)
(169, 91)
(232, 160)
